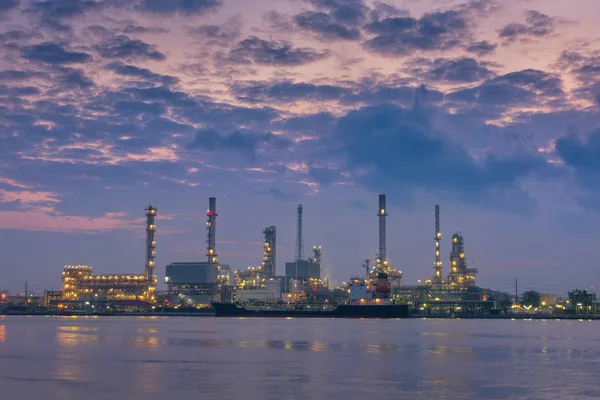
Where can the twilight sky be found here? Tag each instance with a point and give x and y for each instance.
(489, 108)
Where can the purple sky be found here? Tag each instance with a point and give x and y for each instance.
(488, 108)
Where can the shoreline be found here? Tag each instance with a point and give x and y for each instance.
(212, 314)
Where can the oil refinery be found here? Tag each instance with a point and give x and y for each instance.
(196, 284)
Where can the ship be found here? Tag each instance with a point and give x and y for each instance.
(340, 311)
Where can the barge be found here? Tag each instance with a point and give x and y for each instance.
(341, 311)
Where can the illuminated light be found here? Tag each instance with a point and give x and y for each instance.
(382, 211)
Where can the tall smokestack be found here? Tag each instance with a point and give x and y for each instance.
(382, 213)
(438, 236)
(150, 250)
(299, 240)
(211, 251)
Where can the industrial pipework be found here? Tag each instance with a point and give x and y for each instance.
(438, 237)
(270, 252)
(211, 251)
(150, 243)
(382, 213)
(317, 254)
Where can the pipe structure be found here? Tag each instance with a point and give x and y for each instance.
(150, 252)
(270, 252)
(317, 254)
(382, 213)
(299, 239)
(438, 237)
(211, 251)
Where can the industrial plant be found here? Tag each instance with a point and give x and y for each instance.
(196, 284)
(81, 286)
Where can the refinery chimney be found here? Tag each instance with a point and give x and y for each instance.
(211, 251)
(382, 213)
(150, 250)
(299, 239)
(438, 236)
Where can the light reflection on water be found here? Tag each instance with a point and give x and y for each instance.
(158, 358)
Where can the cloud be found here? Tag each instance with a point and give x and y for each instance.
(272, 52)
(537, 25)
(324, 26)
(21, 75)
(583, 156)
(243, 141)
(481, 48)
(350, 12)
(124, 47)
(461, 70)
(218, 34)
(440, 30)
(287, 91)
(27, 197)
(53, 53)
(181, 7)
(352, 94)
(520, 88)
(580, 154)
(13, 183)
(6, 5)
(54, 13)
(393, 148)
(137, 29)
(585, 67)
(47, 219)
(145, 75)
(18, 35)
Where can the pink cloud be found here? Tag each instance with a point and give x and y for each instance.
(99, 153)
(47, 219)
(27, 197)
(12, 182)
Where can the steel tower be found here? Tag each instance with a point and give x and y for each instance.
(150, 251)
(438, 237)
(270, 252)
(211, 251)
(299, 239)
(382, 213)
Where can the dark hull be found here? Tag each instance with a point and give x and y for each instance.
(342, 311)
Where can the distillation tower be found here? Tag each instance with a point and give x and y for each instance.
(80, 284)
(299, 238)
(150, 250)
(460, 274)
(211, 213)
(437, 278)
(382, 264)
(270, 252)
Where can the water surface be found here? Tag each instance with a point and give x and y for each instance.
(169, 358)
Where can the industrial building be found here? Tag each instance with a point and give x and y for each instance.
(301, 269)
(198, 282)
(81, 285)
(257, 277)
(382, 264)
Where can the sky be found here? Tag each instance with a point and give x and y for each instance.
(489, 108)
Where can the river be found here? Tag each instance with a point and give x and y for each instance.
(171, 358)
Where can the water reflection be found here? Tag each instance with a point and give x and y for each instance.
(147, 341)
(75, 335)
(146, 377)
(263, 359)
(68, 368)
(289, 345)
